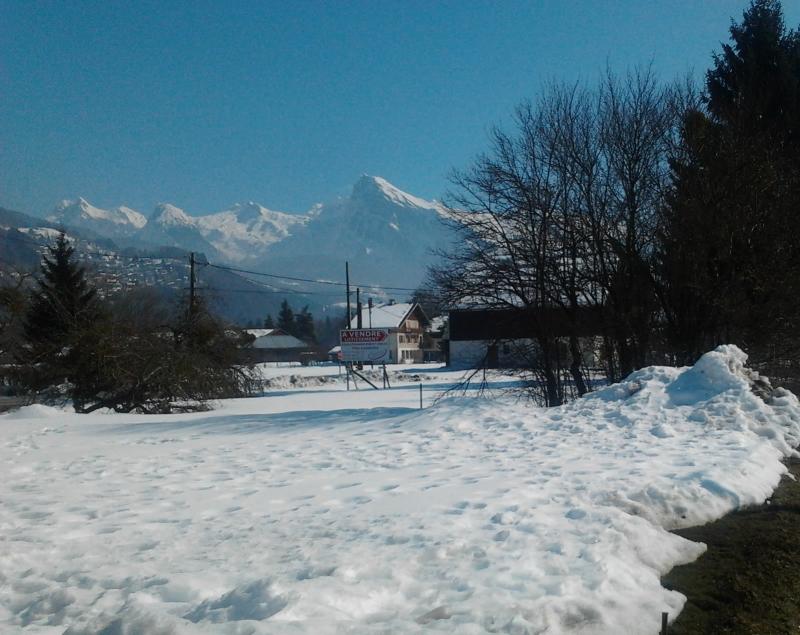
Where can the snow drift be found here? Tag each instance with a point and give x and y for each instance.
(332, 512)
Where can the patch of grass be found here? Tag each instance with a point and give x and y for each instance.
(749, 579)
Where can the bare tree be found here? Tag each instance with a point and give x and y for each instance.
(559, 219)
(505, 208)
(637, 121)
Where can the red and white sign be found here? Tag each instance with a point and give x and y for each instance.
(365, 345)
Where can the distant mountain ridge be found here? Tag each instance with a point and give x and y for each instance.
(114, 223)
(387, 234)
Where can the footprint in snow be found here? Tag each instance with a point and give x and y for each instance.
(346, 485)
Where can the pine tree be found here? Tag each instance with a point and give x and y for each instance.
(64, 301)
(729, 255)
(304, 326)
(286, 318)
(754, 85)
(269, 323)
(62, 308)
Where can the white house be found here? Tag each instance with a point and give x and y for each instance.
(406, 323)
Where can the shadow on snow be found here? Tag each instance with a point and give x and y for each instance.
(251, 423)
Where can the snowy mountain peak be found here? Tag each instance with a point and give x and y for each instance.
(135, 218)
(79, 207)
(167, 214)
(375, 188)
(82, 213)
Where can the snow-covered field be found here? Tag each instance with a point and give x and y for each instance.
(317, 510)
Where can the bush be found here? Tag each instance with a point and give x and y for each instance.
(158, 363)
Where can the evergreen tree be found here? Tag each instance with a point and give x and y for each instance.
(269, 323)
(304, 326)
(286, 318)
(62, 309)
(63, 301)
(754, 86)
(729, 260)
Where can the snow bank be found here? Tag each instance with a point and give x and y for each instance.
(35, 411)
(473, 516)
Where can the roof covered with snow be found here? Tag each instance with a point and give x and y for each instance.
(261, 332)
(384, 316)
(275, 338)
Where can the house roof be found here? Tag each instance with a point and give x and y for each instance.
(261, 332)
(494, 324)
(275, 338)
(383, 316)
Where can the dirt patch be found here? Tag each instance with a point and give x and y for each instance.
(749, 579)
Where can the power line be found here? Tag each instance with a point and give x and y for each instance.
(335, 283)
(269, 291)
(312, 280)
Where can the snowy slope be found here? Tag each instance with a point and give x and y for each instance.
(170, 226)
(387, 235)
(113, 223)
(326, 511)
(242, 232)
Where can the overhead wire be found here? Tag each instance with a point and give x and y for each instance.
(336, 283)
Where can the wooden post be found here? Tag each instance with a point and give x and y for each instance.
(664, 617)
(420, 395)
(347, 280)
(359, 323)
(360, 376)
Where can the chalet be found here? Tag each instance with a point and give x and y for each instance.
(500, 338)
(275, 345)
(406, 323)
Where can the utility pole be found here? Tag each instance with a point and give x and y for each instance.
(347, 280)
(369, 304)
(191, 284)
(358, 308)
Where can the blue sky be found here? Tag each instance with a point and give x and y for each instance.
(204, 104)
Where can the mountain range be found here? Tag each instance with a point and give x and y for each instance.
(387, 235)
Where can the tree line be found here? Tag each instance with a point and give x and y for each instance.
(300, 323)
(666, 210)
